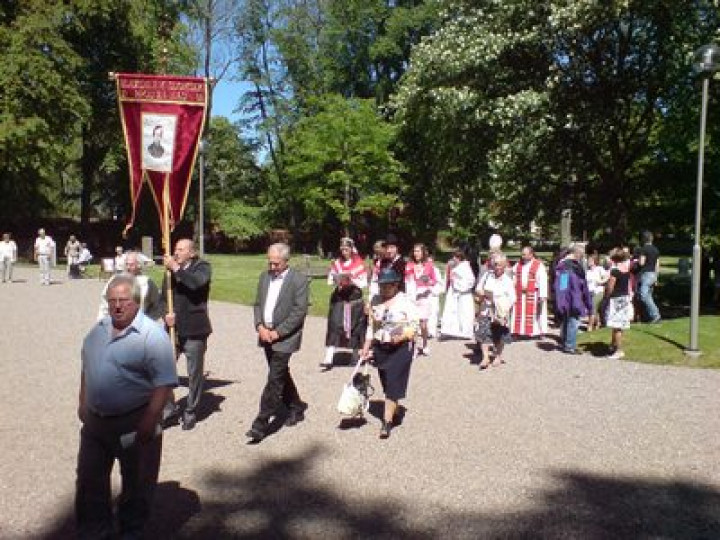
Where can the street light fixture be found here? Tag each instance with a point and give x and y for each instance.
(707, 62)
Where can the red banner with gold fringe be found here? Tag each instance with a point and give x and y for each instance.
(162, 118)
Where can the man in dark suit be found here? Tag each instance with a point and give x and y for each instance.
(190, 277)
(280, 309)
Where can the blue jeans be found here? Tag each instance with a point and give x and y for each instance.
(568, 332)
(645, 290)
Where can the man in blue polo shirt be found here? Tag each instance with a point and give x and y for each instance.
(128, 371)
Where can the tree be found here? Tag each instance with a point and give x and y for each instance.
(522, 108)
(293, 51)
(232, 172)
(41, 106)
(339, 164)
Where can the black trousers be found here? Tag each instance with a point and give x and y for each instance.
(139, 465)
(279, 389)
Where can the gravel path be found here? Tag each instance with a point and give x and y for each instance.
(548, 445)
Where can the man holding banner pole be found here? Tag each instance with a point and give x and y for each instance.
(190, 289)
(163, 118)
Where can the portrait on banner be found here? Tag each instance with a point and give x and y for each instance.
(158, 141)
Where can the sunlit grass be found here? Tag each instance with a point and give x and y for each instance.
(662, 343)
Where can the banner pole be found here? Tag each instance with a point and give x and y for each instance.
(168, 251)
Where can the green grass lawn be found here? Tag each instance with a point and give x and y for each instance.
(662, 343)
(235, 280)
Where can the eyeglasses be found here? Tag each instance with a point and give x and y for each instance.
(119, 301)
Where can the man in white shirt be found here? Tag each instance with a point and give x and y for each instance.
(44, 252)
(85, 257)
(279, 312)
(120, 260)
(8, 256)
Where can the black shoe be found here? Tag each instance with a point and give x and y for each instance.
(385, 430)
(170, 416)
(188, 421)
(255, 435)
(297, 415)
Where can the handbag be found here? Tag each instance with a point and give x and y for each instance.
(355, 396)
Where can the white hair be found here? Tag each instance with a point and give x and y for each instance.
(281, 248)
(126, 279)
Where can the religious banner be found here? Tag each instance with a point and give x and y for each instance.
(162, 118)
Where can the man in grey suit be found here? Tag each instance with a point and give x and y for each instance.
(280, 309)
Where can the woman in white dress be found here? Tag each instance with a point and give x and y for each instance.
(459, 312)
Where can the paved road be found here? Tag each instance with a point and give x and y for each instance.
(547, 446)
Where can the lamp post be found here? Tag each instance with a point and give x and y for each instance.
(202, 148)
(707, 62)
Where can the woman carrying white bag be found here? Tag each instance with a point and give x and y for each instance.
(390, 342)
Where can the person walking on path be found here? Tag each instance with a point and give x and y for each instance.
(459, 311)
(496, 294)
(190, 278)
(346, 317)
(72, 255)
(648, 272)
(392, 259)
(128, 371)
(529, 314)
(280, 309)
(390, 342)
(597, 278)
(8, 257)
(150, 300)
(572, 297)
(44, 251)
(420, 278)
(619, 311)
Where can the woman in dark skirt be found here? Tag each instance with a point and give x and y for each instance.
(346, 317)
(390, 342)
(495, 292)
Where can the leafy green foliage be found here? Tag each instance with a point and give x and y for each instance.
(339, 164)
(513, 110)
(237, 220)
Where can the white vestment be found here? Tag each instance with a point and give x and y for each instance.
(459, 313)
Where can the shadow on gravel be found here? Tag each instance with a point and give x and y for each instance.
(209, 384)
(589, 506)
(282, 499)
(209, 405)
(547, 347)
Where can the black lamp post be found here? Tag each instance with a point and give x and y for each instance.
(706, 63)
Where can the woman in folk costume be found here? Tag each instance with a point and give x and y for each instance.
(459, 313)
(529, 315)
(346, 318)
(496, 296)
(420, 278)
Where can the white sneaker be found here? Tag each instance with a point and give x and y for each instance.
(617, 355)
(425, 351)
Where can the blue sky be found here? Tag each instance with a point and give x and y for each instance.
(226, 97)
